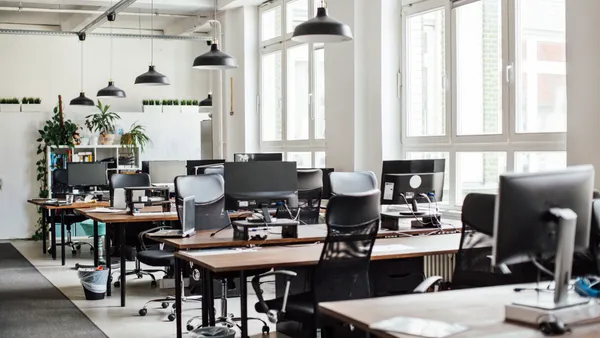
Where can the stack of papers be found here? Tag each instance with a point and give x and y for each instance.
(418, 327)
(380, 249)
(105, 210)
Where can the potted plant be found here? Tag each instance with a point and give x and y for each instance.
(30, 104)
(103, 122)
(10, 105)
(171, 106)
(151, 106)
(135, 138)
(187, 106)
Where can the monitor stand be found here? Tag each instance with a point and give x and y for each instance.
(570, 307)
(415, 209)
(266, 214)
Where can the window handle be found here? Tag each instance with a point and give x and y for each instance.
(310, 106)
(509, 73)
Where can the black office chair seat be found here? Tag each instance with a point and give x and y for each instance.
(156, 257)
(300, 306)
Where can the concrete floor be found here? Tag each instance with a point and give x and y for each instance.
(125, 322)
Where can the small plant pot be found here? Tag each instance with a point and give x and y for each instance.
(94, 140)
(171, 109)
(84, 141)
(189, 109)
(31, 107)
(152, 109)
(107, 139)
(7, 108)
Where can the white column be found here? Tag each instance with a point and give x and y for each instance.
(583, 83)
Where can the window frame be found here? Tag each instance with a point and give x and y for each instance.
(283, 43)
(509, 141)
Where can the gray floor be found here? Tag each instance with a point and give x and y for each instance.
(29, 303)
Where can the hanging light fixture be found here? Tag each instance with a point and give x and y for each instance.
(214, 59)
(152, 77)
(111, 91)
(322, 28)
(81, 100)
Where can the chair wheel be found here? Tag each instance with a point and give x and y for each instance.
(117, 284)
(143, 312)
(265, 329)
(171, 317)
(190, 327)
(174, 305)
(153, 284)
(78, 247)
(76, 265)
(165, 305)
(139, 275)
(91, 249)
(74, 252)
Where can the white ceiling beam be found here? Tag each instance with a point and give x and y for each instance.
(184, 26)
(75, 22)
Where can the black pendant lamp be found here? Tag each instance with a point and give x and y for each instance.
(322, 29)
(81, 100)
(215, 59)
(111, 91)
(152, 77)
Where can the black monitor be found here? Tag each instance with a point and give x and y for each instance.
(393, 186)
(87, 174)
(259, 185)
(247, 157)
(544, 215)
(164, 172)
(196, 167)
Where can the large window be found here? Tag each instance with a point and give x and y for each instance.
(484, 87)
(292, 85)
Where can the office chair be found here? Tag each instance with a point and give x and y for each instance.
(209, 192)
(343, 269)
(118, 181)
(60, 186)
(216, 169)
(310, 189)
(352, 182)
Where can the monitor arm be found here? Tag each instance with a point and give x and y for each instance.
(266, 214)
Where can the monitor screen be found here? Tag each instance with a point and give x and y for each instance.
(164, 172)
(245, 157)
(411, 167)
(196, 167)
(86, 174)
(250, 185)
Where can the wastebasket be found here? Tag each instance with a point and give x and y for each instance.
(215, 332)
(94, 282)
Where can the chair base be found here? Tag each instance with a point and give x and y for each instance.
(140, 274)
(229, 321)
(75, 246)
(165, 302)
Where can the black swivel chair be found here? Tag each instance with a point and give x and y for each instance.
(343, 269)
(60, 187)
(132, 243)
(310, 189)
(215, 169)
(352, 182)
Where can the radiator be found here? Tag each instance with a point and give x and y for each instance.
(439, 265)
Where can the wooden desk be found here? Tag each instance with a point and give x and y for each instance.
(49, 214)
(481, 309)
(288, 256)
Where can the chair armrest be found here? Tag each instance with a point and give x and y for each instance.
(142, 235)
(272, 314)
(427, 284)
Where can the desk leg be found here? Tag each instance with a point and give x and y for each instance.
(211, 298)
(53, 239)
(96, 249)
(178, 296)
(44, 231)
(62, 237)
(123, 271)
(205, 302)
(244, 304)
(108, 262)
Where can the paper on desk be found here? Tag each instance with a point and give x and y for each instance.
(419, 327)
(105, 210)
(389, 248)
(220, 252)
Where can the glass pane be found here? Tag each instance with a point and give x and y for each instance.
(478, 172)
(426, 95)
(435, 155)
(303, 159)
(320, 159)
(319, 96)
(297, 93)
(296, 13)
(479, 68)
(541, 67)
(271, 95)
(527, 162)
(271, 23)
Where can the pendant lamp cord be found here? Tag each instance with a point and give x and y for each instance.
(111, 46)
(81, 66)
(215, 37)
(152, 33)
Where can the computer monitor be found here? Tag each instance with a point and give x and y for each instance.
(259, 185)
(188, 223)
(196, 167)
(544, 215)
(246, 157)
(164, 172)
(86, 174)
(393, 186)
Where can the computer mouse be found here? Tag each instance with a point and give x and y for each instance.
(554, 328)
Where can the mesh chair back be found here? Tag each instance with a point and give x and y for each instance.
(343, 269)
(310, 188)
(217, 169)
(118, 181)
(209, 194)
(60, 181)
(343, 183)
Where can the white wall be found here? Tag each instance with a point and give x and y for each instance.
(45, 66)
